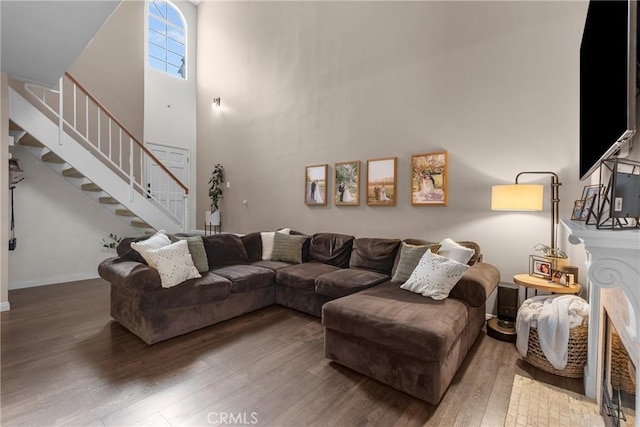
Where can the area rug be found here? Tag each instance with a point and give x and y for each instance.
(534, 403)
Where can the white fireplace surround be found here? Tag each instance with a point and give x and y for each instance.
(613, 261)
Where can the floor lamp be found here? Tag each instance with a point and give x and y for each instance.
(528, 197)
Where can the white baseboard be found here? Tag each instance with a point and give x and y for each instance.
(4, 306)
(86, 275)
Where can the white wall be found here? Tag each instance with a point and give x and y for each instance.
(59, 229)
(170, 103)
(303, 83)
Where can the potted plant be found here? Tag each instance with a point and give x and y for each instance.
(215, 193)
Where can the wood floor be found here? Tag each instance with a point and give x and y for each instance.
(65, 362)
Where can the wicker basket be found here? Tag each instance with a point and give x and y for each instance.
(576, 355)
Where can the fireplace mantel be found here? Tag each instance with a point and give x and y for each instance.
(613, 261)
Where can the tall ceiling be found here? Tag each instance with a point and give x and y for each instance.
(41, 39)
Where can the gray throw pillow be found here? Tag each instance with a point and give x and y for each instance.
(196, 249)
(409, 257)
(287, 248)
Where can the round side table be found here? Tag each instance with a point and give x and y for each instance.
(539, 284)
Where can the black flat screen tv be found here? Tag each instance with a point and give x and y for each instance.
(608, 86)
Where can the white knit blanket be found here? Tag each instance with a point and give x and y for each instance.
(553, 315)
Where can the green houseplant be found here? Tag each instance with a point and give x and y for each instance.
(215, 193)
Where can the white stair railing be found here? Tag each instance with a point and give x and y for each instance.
(82, 116)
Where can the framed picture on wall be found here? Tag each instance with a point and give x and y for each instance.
(382, 182)
(347, 184)
(429, 179)
(315, 185)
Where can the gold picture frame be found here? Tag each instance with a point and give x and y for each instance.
(429, 179)
(382, 182)
(346, 184)
(315, 185)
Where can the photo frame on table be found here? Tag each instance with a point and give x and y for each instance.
(591, 198)
(540, 267)
(346, 184)
(561, 277)
(315, 185)
(576, 213)
(429, 179)
(382, 182)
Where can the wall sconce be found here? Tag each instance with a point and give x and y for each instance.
(520, 197)
(216, 102)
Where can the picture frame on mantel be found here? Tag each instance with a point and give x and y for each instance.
(315, 185)
(382, 182)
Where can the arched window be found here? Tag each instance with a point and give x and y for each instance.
(167, 31)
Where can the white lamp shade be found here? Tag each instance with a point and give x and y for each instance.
(517, 197)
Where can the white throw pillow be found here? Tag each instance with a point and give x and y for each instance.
(267, 242)
(174, 263)
(435, 276)
(157, 241)
(455, 251)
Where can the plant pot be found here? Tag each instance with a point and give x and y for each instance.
(214, 218)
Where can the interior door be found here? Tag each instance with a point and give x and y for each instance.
(160, 186)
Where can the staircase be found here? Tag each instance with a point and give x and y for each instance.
(76, 137)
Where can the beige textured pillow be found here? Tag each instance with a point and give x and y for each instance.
(287, 248)
(267, 242)
(174, 263)
(157, 241)
(435, 276)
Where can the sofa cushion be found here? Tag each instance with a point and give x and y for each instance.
(272, 265)
(409, 257)
(246, 278)
(225, 249)
(455, 251)
(253, 246)
(196, 249)
(156, 241)
(374, 254)
(303, 275)
(477, 255)
(435, 276)
(126, 252)
(174, 263)
(347, 281)
(419, 327)
(268, 239)
(331, 248)
(209, 287)
(287, 248)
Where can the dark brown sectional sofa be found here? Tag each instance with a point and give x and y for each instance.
(411, 342)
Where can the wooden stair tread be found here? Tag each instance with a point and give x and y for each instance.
(90, 187)
(139, 223)
(72, 173)
(30, 141)
(124, 212)
(108, 201)
(51, 157)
